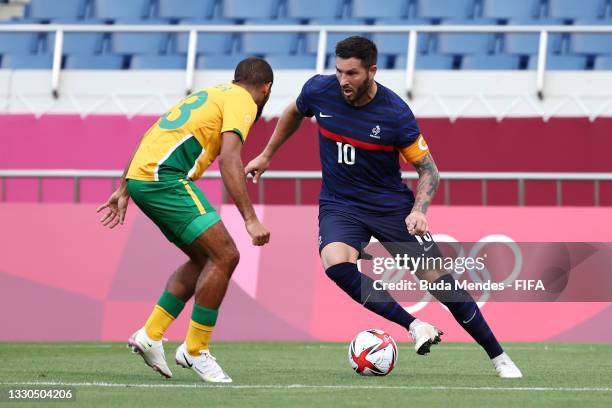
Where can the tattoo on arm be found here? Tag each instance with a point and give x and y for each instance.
(429, 179)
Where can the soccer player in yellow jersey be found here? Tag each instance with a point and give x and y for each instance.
(177, 149)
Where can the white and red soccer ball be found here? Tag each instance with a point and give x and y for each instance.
(372, 352)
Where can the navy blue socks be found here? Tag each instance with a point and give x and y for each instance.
(359, 287)
(468, 315)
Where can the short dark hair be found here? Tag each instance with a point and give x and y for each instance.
(360, 48)
(253, 71)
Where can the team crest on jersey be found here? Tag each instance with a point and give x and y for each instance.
(375, 132)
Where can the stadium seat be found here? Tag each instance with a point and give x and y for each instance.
(528, 43)
(312, 39)
(429, 61)
(292, 61)
(591, 43)
(603, 62)
(466, 43)
(93, 62)
(22, 61)
(74, 42)
(269, 43)
(121, 9)
(498, 61)
(158, 62)
(18, 43)
(52, 9)
(208, 43)
(314, 9)
(185, 9)
(438, 9)
(391, 43)
(504, 9)
(249, 9)
(372, 9)
(219, 61)
(560, 62)
(139, 43)
(576, 9)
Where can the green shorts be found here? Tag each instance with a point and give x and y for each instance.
(178, 207)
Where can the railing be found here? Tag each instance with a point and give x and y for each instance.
(323, 30)
(299, 176)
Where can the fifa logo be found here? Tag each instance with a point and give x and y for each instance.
(375, 132)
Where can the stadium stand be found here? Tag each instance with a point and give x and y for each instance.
(435, 51)
(174, 10)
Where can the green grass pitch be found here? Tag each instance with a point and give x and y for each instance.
(315, 374)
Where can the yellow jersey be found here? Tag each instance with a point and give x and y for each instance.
(187, 139)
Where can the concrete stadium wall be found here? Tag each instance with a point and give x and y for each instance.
(65, 277)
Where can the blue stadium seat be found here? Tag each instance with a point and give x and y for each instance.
(219, 61)
(22, 61)
(437, 9)
(158, 62)
(466, 43)
(269, 43)
(575, 9)
(603, 62)
(243, 9)
(93, 62)
(587, 43)
(185, 9)
(292, 61)
(391, 43)
(139, 43)
(528, 43)
(560, 62)
(52, 9)
(208, 43)
(429, 61)
(121, 9)
(18, 43)
(504, 9)
(498, 61)
(372, 9)
(314, 9)
(74, 42)
(312, 39)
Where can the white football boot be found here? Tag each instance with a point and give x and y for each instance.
(505, 367)
(205, 365)
(424, 336)
(152, 352)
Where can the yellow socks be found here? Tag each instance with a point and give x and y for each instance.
(167, 309)
(200, 329)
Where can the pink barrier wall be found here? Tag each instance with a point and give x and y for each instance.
(64, 277)
(519, 144)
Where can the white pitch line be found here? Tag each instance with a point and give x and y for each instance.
(309, 386)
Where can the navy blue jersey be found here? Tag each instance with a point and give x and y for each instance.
(360, 146)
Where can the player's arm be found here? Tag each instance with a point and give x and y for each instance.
(428, 182)
(232, 171)
(118, 201)
(286, 126)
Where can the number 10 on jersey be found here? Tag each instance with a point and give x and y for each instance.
(346, 153)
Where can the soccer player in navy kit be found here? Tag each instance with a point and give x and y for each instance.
(364, 128)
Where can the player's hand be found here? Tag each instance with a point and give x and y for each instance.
(117, 206)
(416, 223)
(258, 232)
(257, 167)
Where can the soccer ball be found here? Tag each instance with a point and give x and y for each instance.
(372, 352)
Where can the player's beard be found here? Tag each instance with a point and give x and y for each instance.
(260, 107)
(359, 92)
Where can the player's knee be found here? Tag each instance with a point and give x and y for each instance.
(229, 260)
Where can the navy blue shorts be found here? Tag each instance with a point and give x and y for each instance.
(356, 228)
